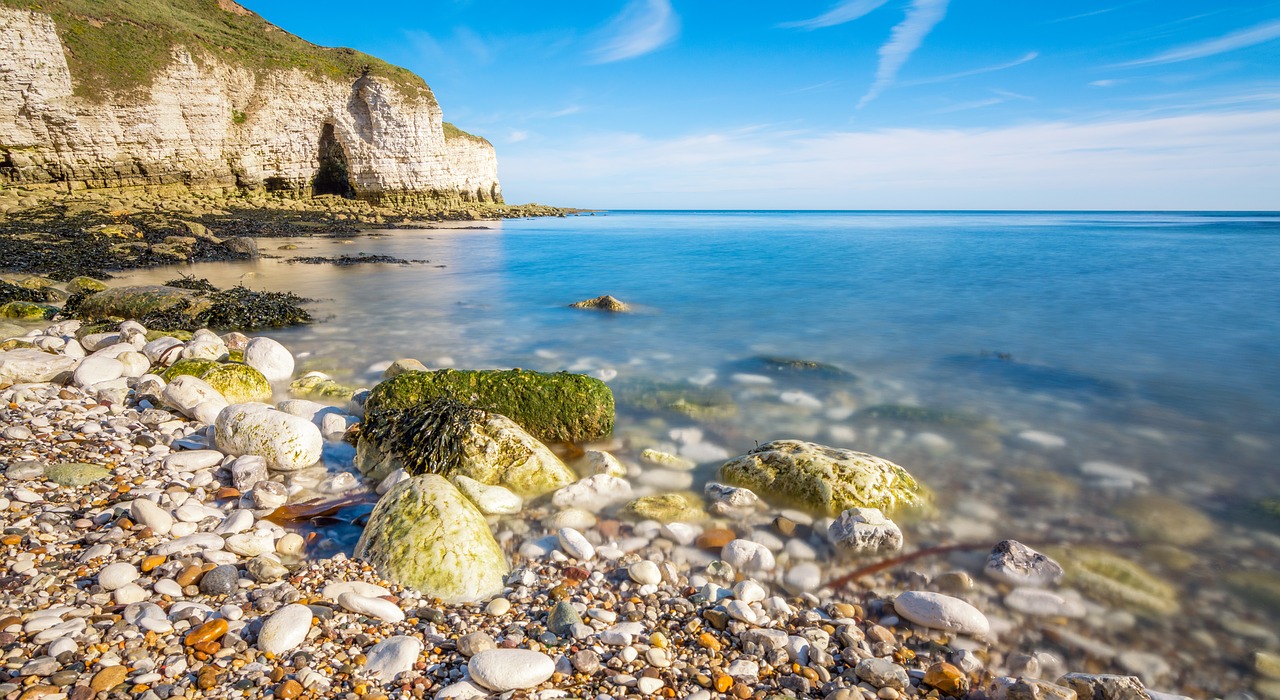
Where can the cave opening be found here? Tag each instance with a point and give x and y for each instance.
(332, 177)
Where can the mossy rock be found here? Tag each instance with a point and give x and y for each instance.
(27, 311)
(425, 535)
(316, 385)
(793, 367)
(696, 402)
(560, 407)
(146, 303)
(193, 366)
(238, 383)
(1112, 579)
(88, 285)
(825, 480)
(75, 473)
(1154, 518)
(666, 508)
(184, 336)
(925, 415)
(451, 439)
(37, 282)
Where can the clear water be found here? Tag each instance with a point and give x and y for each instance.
(1143, 340)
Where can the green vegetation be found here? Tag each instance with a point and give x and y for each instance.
(238, 117)
(119, 45)
(453, 132)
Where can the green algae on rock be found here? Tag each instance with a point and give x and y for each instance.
(823, 479)
(16, 292)
(425, 535)
(318, 385)
(83, 284)
(560, 407)
(1257, 587)
(696, 402)
(1154, 518)
(75, 473)
(1104, 576)
(194, 366)
(449, 438)
(139, 302)
(926, 415)
(666, 508)
(27, 311)
(238, 383)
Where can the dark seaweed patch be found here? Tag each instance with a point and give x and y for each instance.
(12, 292)
(343, 260)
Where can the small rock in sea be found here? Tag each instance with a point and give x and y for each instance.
(941, 612)
(1114, 477)
(1039, 602)
(667, 461)
(593, 493)
(1041, 439)
(745, 555)
(501, 670)
(602, 303)
(391, 657)
(594, 462)
(247, 471)
(221, 580)
(728, 500)
(864, 531)
(1017, 564)
(285, 629)
(805, 577)
(269, 495)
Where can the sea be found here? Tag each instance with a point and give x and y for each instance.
(1103, 380)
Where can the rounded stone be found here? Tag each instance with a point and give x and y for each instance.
(391, 657)
(269, 357)
(501, 670)
(117, 575)
(285, 629)
(287, 443)
(942, 612)
(645, 573)
(221, 580)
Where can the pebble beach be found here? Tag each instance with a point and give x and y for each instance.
(142, 561)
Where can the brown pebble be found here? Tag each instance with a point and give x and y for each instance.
(785, 526)
(715, 539)
(288, 690)
(11, 540)
(108, 678)
(741, 690)
(81, 692)
(38, 691)
(207, 679)
(208, 632)
(277, 674)
(152, 562)
(707, 641)
(227, 492)
(189, 576)
(10, 621)
(947, 678)
(723, 681)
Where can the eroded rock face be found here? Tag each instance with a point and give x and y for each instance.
(824, 479)
(206, 122)
(425, 535)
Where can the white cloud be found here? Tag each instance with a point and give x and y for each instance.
(1224, 160)
(642, 26)
(517, 135)
(922, 17)
(841, 12)
(1031, 56)
(1212, 47)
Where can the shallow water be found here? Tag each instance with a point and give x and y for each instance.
(1145, 341)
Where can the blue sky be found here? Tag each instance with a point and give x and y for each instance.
(1112, 104)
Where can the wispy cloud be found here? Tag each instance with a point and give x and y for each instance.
(1209, 160)
(922, 17)
(1105, 83)
(1031, 56)
(841, 12)
(1211, 47)
(642, 26)
(517, 135)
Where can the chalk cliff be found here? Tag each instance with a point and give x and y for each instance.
(203, 93)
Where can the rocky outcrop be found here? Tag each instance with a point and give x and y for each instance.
(210, 121)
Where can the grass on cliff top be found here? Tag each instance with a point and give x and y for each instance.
(453, 132)
(118, 46)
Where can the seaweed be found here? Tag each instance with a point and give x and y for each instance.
(13, 292)
(429, 436)
(345, 260)
(241, 308)
(926, 415)
(195, 284)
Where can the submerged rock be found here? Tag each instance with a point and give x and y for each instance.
(450, 439)
(1017, 564)
(27, 311)
(1104, 576)
(865, 531)
(425, 535)
(1158, 519)
(560, 407)
(604, 303)
(942, 612)
(139, 303)
(824, 479)
(667, 508)
(693, 401)
(926, 415)
(792, 367)
(318, 385)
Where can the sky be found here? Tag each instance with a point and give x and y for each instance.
(846, 104)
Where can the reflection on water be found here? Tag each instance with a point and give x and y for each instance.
(1083, 377)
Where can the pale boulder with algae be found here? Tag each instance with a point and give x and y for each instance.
(286, 442)
(425, 535)
(206, 122)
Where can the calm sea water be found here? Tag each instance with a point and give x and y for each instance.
(1147, 342)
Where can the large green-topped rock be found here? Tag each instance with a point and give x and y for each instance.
(27, 311)
(239, 383)
(194, 366)
(425, 535)
(824, 479)
(140, 302)
(449, 438)
(560, 407)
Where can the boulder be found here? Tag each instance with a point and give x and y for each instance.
(823, 479)
(238, 383)
(27, 311)
(138, 302)
(27, 365)
(425, 535)
(450, 439)
(272, 359)
(287, 443)
(194, 398)
(604, 303)
(86, 285)
(560, 407)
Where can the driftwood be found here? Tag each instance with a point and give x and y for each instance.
(308, 511)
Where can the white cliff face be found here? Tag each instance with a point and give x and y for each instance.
(204, 123)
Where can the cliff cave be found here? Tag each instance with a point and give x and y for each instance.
(332, 176)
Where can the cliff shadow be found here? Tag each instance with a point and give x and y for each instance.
(332, 177)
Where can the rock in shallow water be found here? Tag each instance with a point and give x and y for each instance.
(864, 531)
(269, 357)
(501, 670)
(1017, 564)
(942, 612)
(425, 535)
